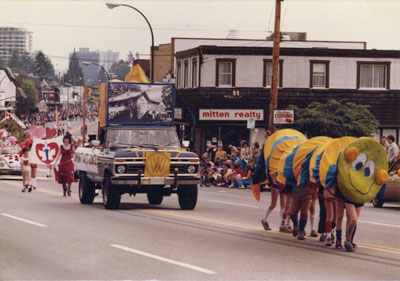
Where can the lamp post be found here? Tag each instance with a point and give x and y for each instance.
(113, 5)
(86, 63)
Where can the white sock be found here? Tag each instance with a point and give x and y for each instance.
(267, 214)
(34, 182)
(281, 214)
(312, 220)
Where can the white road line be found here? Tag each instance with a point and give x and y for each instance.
(377, 223)
(24, 220)
(200, 269)
(243, 205)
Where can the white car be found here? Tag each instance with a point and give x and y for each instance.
(10, 167)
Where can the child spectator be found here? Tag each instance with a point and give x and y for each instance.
(26, 170)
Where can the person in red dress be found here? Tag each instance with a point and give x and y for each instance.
(65, 173)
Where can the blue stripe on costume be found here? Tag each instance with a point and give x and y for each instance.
(259, 171)
(288, 169)
(315, 170)
(332, 173)
(277, 142)
(305, 173)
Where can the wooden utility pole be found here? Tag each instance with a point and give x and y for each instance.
(84, 116)
(273, 100)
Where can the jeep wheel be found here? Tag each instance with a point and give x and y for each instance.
(378, 203)
(155, 195)
(111, 198)
(86, 190)
(187, 195)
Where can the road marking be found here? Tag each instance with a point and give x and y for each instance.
(229, 203)
(193, 267)
(378, 223)
(24, 220)
(238, 225)
(248, 226)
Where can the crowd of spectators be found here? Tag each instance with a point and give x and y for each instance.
(233, 168)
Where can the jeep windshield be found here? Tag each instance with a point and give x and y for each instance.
(143, 137)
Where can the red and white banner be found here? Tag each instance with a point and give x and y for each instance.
(231, 114)
(44, 152)
(283, 116)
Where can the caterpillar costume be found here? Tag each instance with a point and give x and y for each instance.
(358, 166)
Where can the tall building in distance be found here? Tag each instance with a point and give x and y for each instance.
(14, 39)
(104, 58)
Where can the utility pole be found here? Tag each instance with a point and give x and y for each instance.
(84, 116)
(273, 100)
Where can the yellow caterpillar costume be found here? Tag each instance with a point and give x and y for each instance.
(357, 165)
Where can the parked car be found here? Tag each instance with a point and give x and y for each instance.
(10, 167)
(392, 186)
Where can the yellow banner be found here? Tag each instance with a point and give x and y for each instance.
(157, 164)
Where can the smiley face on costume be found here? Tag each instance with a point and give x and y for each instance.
(362, 170)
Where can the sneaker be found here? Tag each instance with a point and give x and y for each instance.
(338, 244)
(23, 190)
(265, 224)
(282, 228)
(328, 242)
(295, 231)
(30, 188)
(349, 246)
(322, 238)
(288, 229)
(300, 236)
(34, 187)
(313, 233)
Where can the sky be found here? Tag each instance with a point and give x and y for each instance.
(59, 26)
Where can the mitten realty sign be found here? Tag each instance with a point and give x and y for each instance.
(231, 114)
(45, 151)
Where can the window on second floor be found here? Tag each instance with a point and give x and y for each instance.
(194, 73)
(268, 68)
(186, 74)
(373, 75)
(178, 75)
(319, 74)
(225, 73)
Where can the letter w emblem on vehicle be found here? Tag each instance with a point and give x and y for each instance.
(157, 164)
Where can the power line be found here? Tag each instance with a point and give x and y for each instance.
(121, 27)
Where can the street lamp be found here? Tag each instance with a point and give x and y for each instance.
(86, 63)
(113, 5)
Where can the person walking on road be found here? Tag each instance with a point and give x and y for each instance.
(65, 173)
(26, 170)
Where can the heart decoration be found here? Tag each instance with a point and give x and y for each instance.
(50, 133)
(37, 132)
(47, 152)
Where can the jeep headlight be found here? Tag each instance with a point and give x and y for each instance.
(191, 169)
(121, 169)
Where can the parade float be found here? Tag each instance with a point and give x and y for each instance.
(139, 150)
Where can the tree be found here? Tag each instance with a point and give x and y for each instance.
(74, 75)
(335, 119)
(43, 67)
(28, 62)
(121, 69)
(29, 104)
(15, 63)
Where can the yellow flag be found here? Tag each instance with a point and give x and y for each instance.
(136, 75)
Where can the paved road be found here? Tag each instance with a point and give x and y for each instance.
(44, 236)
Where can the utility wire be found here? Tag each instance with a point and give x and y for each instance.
(120, 27)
